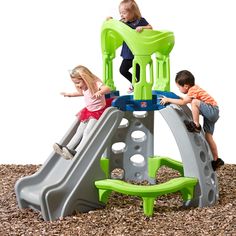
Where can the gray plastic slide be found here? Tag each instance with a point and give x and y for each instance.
(61, 187)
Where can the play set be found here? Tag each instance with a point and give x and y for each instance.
(123, 139)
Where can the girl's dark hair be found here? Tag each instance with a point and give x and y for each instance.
(185, 77)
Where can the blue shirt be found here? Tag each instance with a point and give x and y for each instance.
(125, 51)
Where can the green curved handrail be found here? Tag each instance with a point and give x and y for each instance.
(142, 45)
(185, 185)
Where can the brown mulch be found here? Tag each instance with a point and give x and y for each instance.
(123, 215)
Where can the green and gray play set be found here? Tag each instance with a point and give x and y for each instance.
(61, 187)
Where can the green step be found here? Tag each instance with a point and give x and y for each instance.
(148, 192)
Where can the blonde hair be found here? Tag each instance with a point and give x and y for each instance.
(131, 6)
(82, 72)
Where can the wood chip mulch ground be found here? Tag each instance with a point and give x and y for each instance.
(123, 215)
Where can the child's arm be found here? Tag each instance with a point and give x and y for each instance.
(102, 91)
(75, 94)
(140, 28)
(181, 101)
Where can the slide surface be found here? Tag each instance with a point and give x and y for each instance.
(61, 186)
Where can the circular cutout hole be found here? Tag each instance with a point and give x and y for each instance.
(137, 148)
(137, 160)
(124, 123)
(138, 136)
(140, 114)
(202, 156)
(117, 173)
(213, 180)
(138, 175)
(206, 171)
(118, 147)
(138, 124)
(211, 196)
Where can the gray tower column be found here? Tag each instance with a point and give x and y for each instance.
(131, 146)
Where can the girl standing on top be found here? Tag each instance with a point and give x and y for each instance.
(130, 15)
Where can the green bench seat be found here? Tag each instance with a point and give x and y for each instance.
(148, 193)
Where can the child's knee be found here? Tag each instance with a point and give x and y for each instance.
(195, 102)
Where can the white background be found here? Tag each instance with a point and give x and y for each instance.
(42, 39)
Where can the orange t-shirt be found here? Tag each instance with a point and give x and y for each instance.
(200, 94)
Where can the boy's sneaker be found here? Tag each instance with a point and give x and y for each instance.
(131, 89)
(68, 154)
(216, 164)
(191, 126)
(58, 148)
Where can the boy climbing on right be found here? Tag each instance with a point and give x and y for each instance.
(202, 104)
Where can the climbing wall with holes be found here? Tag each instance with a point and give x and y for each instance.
(131, 146)
(195, 154)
